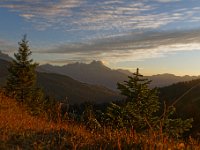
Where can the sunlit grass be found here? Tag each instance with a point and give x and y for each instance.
(19, 130)
(17, 124)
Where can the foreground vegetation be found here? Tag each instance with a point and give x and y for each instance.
(29, 119)
(19, 130)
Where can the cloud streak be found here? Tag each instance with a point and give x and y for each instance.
(111, 29)
(7, 46)
(133, 46)
(86, 15)
(42, 12)
(167, 1)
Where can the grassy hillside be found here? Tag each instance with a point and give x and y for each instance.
(19, 130)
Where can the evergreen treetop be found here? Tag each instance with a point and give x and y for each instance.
(21, 82)
(140, 107)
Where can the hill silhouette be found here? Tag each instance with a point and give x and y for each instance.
(3, 71)
(94, 73)
(5, 56)
(186, 98)
(166, 79)
(60, 87)
(97, 73)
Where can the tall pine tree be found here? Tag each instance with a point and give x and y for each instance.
(21, 82)
(140, 107)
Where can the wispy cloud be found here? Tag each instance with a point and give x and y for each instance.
(7, 46)
(133, 46)
(112, 28)
(167, 1)
(84, 15)
(27, 16)
(42, 12)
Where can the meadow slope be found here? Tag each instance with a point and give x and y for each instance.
(20, 130)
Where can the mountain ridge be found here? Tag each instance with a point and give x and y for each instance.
(60, 87)
(97, 73)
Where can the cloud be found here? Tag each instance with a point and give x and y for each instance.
(27, 16)
(7, 46)
(167, 1)
(99, 16)
(42, 12)
(111, 28)
(85, 15)
(41, 7)
(133, 46)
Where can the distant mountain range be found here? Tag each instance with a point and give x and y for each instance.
(60, 87)
(99, 74)
(94, 73)
(86, 82)
(161, 80)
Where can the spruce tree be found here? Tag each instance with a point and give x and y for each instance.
(21, 82)
(141, 102)
(139, 110)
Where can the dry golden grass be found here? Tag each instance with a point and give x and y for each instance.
(15, 120)
(15, 117)
(19, 130)
(124, 139)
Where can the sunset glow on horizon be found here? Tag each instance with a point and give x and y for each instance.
(157, 36)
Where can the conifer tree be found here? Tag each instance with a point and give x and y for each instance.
(21, 82)
(141, 102)
(140, 107)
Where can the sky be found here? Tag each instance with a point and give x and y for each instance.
(157, 36)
